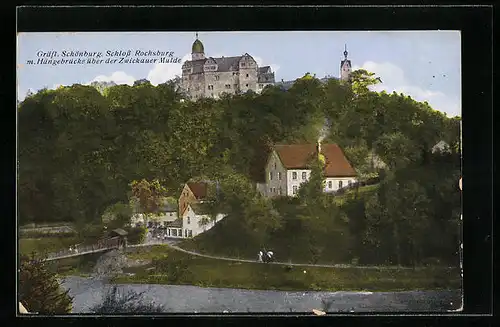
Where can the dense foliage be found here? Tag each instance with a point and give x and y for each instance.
(39, 289)
(80, 151)
(136, 235)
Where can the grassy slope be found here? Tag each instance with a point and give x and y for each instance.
(225, 240)
(180, 268)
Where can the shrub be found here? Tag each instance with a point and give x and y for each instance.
(136, 235)
(125, 302)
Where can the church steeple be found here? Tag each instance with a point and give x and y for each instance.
(345, 66)
(197, 50)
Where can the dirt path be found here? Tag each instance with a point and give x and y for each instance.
(293, 264)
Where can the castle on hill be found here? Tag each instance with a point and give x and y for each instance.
(211, 77)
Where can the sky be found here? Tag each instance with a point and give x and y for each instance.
(423, 64)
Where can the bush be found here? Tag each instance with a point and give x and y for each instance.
(136, 235)
(115, 302)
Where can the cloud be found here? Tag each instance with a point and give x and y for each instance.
(119, 77)
(260, 63)
(393, 79)
(164, 72)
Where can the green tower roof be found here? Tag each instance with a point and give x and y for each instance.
(198, 47)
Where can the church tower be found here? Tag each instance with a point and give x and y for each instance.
(345, 67)
(198, 51)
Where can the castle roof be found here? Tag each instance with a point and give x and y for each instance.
(298, 156)
(346, 61)
(197, 47)
(227, 64)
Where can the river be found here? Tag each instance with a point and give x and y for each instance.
(87, 292)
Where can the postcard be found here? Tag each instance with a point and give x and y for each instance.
(239, 172)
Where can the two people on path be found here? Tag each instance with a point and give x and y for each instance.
(265, 256)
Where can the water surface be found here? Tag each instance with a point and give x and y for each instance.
(88, 292)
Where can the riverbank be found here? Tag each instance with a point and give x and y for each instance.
(161, 264)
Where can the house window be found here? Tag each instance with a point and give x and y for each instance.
(185, 233)
(270, 190)
(246, 85)
(275, 165)
(349, 182)
(228, 86)
(294, 175)
(242, 64)
(216, 77)
(330, 184)
(247, 75)
(189, 220)
(279, 175)
(304, 175)
(295, 189)
(210, 87)
(174, 232)
(340, 184)
(190, 233)
(270, 175)
(280, 190)
(235, 86)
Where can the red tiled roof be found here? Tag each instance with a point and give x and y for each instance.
(297, 156)
(199, 189)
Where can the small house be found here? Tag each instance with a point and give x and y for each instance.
(288, 167)
(193, 192)
(167, 212)
(196, 219)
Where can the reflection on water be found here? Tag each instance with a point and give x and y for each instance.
(88, 292)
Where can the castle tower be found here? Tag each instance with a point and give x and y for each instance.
(345, 67)
(198, 51)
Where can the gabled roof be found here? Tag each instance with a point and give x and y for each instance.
(225, 64)
(337, 164)
(265, 70)
(119, 231)
(199, 189)
(298, 156)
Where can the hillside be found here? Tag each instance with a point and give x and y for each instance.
(80, 151)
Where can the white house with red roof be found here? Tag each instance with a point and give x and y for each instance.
(288, 167)
(194, 216)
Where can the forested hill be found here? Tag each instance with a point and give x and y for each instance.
(79, 148)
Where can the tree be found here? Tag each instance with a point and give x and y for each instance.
(149, 194)
(39, 288)
(117, 215)
(361, 80)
